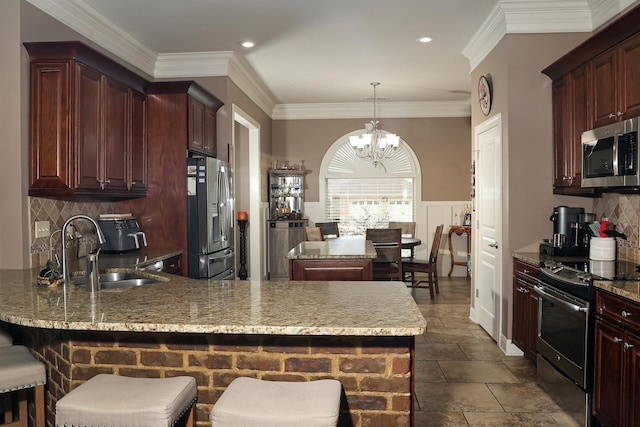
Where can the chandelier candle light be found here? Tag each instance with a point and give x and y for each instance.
(375, 144)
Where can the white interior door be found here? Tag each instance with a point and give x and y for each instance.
(488, 276)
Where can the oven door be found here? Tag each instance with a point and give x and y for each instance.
(563, 332)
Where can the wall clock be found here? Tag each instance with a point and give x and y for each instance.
(484, 95)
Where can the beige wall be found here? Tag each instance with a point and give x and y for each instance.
(522, 95)
(442, 146)
(14, 213)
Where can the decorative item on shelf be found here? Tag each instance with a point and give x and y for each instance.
(375, 144)
(242, 216)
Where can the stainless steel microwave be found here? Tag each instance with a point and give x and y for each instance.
(610, 155)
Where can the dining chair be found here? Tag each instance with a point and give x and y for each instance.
(408, 230)
(313, 234)
(429, 266)
(388, 245)
(329, 229)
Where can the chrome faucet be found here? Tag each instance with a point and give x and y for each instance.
(101, 239)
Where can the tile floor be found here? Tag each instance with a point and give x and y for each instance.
(464, 379)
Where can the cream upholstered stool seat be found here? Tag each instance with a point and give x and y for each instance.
(20, 371)
(251, 402)
(113, 400)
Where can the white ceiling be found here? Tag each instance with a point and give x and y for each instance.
(323, 51)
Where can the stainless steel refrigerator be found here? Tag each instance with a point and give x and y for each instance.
(210, 219)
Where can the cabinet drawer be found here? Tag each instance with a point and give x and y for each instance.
(525, 271)
(618, 310)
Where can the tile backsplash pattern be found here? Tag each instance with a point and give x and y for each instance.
(624, 211)
(57, 212)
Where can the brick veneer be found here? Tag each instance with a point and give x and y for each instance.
(375, 372)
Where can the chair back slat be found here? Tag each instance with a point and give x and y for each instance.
(329, 229)
(388, 245)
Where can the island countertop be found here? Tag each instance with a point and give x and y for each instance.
(180, 304)
(350, 247)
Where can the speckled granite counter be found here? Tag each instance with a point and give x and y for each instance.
(351, 247)
(179, 304)
(626, 289)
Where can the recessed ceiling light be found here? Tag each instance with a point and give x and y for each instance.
(424, 39)
(247, 44)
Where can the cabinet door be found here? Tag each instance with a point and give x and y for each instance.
(137, 142)
(561, 136)
(278, 249)
(632, 392)
(604, 88)
(607, 390)
(50, 126)
(115, 135)
(210, 132)
(629, 79)
(519, 333)
(579, 82)
(196, 125)
(532, 326)
(296, 234)
(88, 128)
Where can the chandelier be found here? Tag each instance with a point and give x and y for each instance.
(375, 144)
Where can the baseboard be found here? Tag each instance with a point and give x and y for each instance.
(509, 348)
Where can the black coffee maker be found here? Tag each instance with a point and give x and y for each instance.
(570, 234)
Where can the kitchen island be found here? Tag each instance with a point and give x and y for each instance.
(360, 333)
(343, 258)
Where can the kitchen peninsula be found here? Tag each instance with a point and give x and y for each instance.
(342, 258)
(360, 333)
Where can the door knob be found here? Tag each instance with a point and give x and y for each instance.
(493, 245)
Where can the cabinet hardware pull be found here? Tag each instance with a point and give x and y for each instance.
(627, 346)
(617, 340)
(626, 314)
(525, 271)
(620, 114)
(600, 310)
(611, 115)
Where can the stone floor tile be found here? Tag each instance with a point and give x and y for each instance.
(440, 419)
(474, 371)
(525, 397)
(520, 419)
(436, 351)
(429, 371)
(452, 397)
(481, 350)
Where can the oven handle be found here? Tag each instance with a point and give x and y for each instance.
(570, 306)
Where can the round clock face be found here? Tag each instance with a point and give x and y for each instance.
(484, 95)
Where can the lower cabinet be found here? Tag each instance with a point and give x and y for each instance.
(331, 269)
(525, 308)
(616, 391)
(283, 236)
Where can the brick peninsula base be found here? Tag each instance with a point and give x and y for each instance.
(375, 372)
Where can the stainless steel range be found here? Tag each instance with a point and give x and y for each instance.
(566, 319)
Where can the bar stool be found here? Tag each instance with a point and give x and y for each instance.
(20, 371)
(113, 400)
(251, 402)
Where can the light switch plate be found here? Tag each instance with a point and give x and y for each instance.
(42, 229)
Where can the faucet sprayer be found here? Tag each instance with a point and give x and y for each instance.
(101, 239)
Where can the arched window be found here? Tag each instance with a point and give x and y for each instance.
(360, 195)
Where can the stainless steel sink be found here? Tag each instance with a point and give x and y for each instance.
(121, 279)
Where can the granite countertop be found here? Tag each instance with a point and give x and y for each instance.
(142, 258)
(623, 288)
(350, 247)
(180, 304)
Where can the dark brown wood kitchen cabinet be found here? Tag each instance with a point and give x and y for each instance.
(616, 391)
(525, 308)
(87, 125)
(202, 127)
(616, 82)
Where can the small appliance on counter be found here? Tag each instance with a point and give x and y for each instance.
(570, 232)
(122, 233)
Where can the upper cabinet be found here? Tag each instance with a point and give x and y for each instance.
(616, 86)
(88, 131)
(593, 85)
(199, 106)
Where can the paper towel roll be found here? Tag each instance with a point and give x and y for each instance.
(602, 248)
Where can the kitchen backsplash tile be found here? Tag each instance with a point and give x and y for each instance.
(624, 211)
(57, 212)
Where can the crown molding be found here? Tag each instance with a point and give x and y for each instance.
(527, 16)
(362, 110)
(192, 64)
(84, 19)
